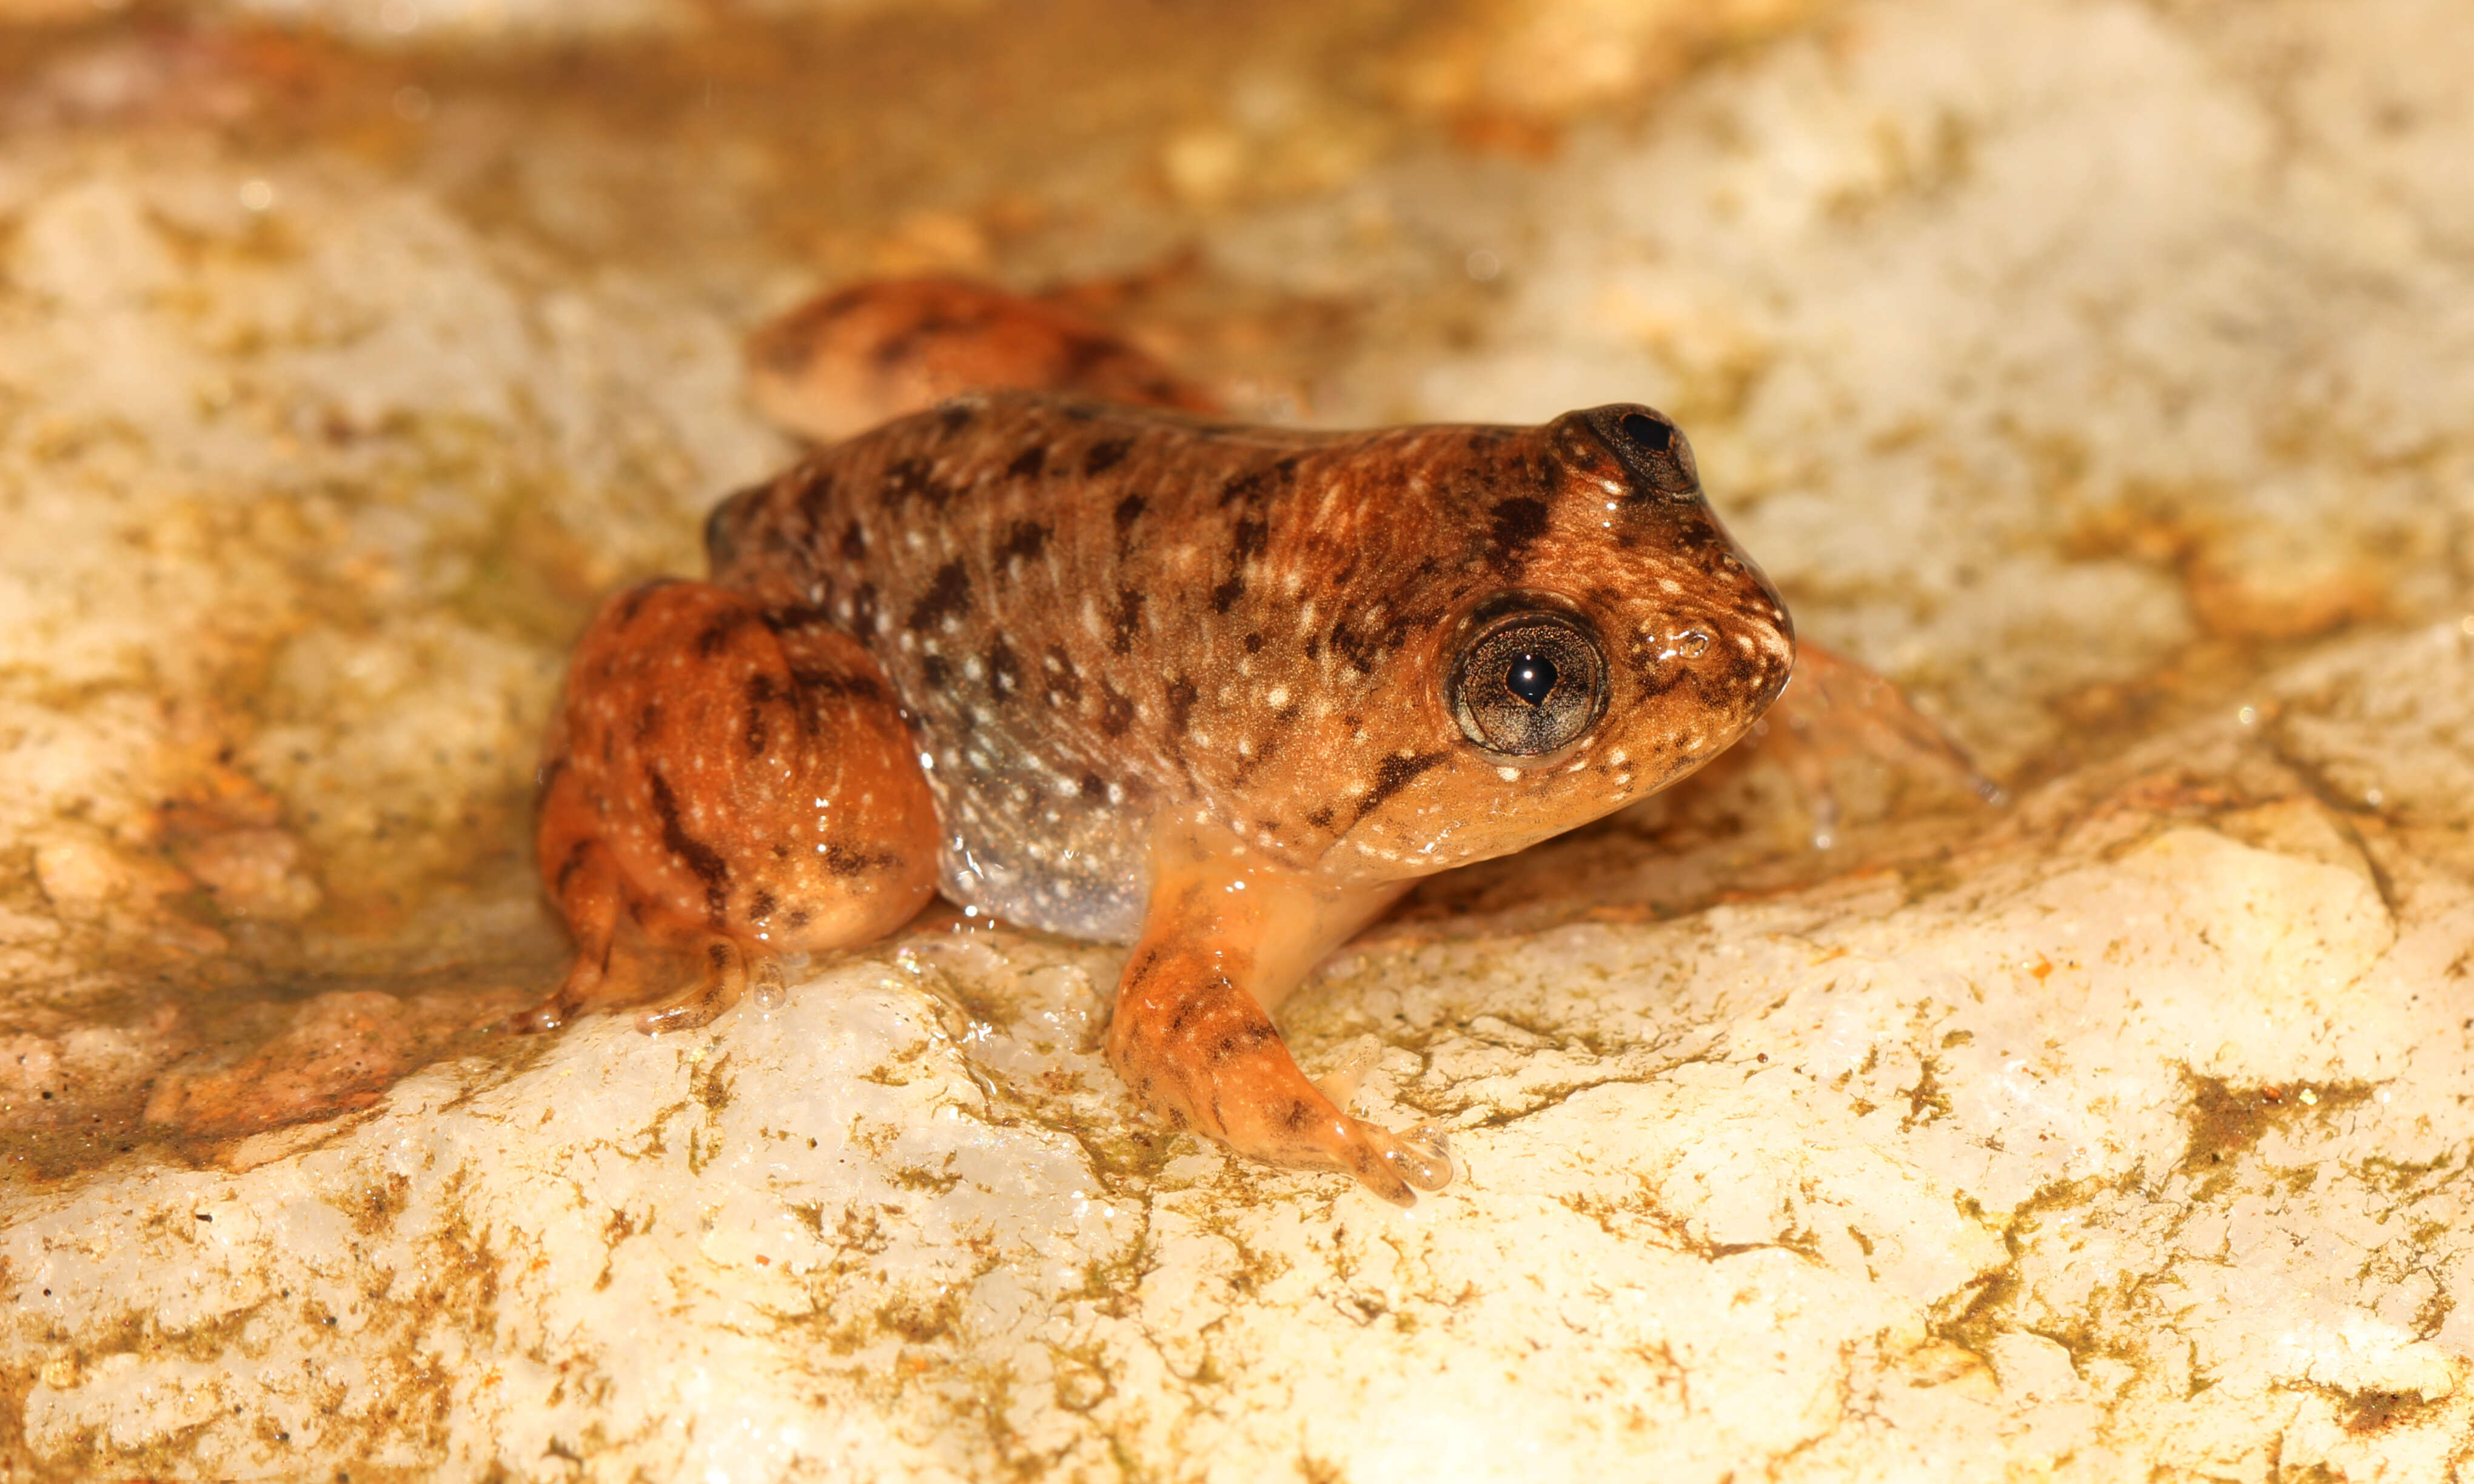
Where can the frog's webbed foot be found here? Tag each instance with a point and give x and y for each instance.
(621, 972)
(1834, 707)
(1194, 1044)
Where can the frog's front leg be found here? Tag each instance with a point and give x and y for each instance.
(1225, 939)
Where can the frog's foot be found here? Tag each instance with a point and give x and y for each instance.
(635, 966)
(585, 886)
(724, 980)
(1834, 707)
(1192, 1044)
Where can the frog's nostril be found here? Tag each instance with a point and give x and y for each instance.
(1691, 643)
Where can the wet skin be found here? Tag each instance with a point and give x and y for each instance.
(1130, 674)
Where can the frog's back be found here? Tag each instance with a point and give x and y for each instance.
(1094, 612)
(1025, 569)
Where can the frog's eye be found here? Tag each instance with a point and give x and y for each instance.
(1529, 682)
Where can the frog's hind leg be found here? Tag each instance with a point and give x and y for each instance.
(860, 355)
(726, 783)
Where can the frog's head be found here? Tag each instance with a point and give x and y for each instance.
(1607, 638)
(1634, 633)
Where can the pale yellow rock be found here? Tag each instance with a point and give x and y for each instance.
(253, 461)
(1547, 60)
(1985, 1184)
(2121, 1136)
(484, 23)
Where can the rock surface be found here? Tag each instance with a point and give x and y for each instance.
(2096, 370)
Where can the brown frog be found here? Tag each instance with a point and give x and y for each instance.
(1131, 673)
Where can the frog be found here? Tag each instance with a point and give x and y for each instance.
(1033, 626)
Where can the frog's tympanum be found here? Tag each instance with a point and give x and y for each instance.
(1133, 674)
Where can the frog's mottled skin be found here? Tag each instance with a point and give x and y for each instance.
(1132, 675)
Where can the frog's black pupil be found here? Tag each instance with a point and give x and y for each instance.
(1532, 678)
(1650, 434)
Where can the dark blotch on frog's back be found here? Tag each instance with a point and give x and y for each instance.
(914, 482)
(1003, 671)
(948, 596)
(1024, 538)
(1127, 623)
(1063, 676)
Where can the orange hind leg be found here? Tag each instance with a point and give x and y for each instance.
(723, 784)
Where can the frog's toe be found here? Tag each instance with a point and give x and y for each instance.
(1425, 1156)
(1396, 1165)
(724, 981)
(1388, 1165)
(588, 983)
(1342, 1083)
(541, 1017)
(1380, 1179)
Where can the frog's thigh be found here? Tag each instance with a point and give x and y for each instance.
(1193, 1042)
(726, 783)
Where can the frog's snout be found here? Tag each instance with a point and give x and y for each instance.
(1737, 643)
(1760, 632)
